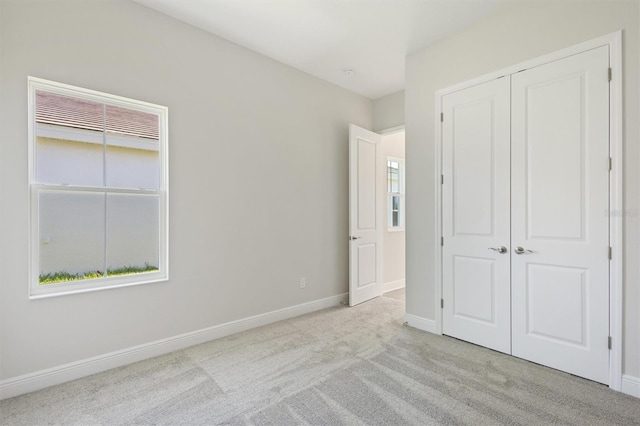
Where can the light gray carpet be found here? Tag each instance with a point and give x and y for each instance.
(396, 294)
(340, 366)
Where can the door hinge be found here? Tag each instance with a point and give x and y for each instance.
(610, 341)
(610, 74)
(610, 163)
(442, 117)
(442, 241)
(441, 303)
(441, 179)
(610, 253)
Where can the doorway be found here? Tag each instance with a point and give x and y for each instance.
(376, 213)
(393, 199)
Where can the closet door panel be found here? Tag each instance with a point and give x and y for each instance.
(476, 215)
(560, 197)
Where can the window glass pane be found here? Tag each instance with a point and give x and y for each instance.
(393, 176)
(133, 159)
(133, 226)
(68, 140)
(395, 211)
(71, 236)
(396, 203)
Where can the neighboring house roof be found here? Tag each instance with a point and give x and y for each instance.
(61, 110)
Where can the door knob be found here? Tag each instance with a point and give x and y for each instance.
(354, 238)
(520, 250)
(501, 249)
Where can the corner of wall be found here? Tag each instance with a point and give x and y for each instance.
(388, 111)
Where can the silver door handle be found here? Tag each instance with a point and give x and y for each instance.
(501, 249)
(520, 250)
(354, 238)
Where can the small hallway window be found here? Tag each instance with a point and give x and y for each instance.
(395, 193)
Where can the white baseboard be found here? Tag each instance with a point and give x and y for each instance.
(53, 376)
(630, 385)
(421, 323)
(392, 285)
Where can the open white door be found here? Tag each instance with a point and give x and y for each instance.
(365, 216)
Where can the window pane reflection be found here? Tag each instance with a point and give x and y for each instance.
(69, 140)
(133, 225)
(132, 151)
(71, 236)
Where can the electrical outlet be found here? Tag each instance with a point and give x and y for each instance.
(303, 282)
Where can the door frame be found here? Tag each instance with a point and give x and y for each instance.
(616, 194)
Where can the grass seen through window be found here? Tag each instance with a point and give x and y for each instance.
(64, 276)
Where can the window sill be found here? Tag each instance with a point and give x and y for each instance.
(396, 229)
(82, 286)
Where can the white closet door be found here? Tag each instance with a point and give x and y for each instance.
(560, 180)
(476, 215)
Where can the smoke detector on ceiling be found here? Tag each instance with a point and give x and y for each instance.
(348, 72)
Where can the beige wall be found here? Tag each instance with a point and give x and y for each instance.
(388, 111)
(393, 241)
(258, 178)
(522, 31)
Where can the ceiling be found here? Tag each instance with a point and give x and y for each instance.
(327, 37)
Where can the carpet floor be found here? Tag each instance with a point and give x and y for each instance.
(338, 366)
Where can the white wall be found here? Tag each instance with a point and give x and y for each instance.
(258, 178)
(394, 240)
(388, 111)
(522, 31)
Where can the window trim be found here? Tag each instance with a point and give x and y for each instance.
(401, 194)
(37, 291)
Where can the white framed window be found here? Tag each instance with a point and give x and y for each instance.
(98, 177)
(395, 194)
